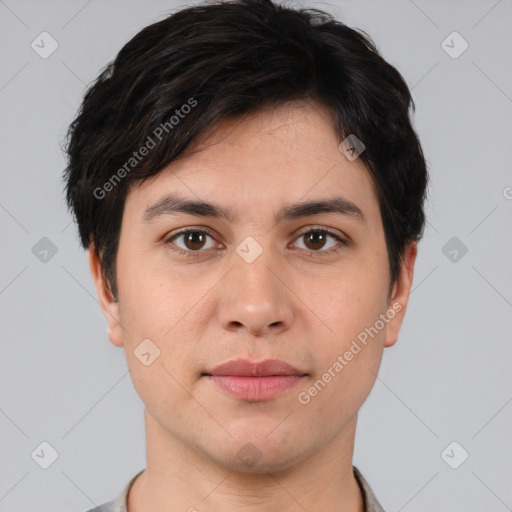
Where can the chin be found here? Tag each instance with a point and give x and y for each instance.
(260, 453)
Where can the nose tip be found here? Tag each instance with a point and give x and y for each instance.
(260, 332)
(254, 302)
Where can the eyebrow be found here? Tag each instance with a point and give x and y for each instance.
(173, 204)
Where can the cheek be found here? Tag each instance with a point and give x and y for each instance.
(156, 319)
(345, 375)
(160, 359)
(350, 351)
(150, 304)
(353, 304)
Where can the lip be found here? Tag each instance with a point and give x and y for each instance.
(248, 368)
(255, 381)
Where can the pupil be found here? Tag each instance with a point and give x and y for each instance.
(190, 239)
(317, 239)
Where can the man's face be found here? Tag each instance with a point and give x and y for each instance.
(256, 287)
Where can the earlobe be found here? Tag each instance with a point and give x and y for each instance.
(400, 294)
(109, 306)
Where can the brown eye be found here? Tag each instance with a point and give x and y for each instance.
(191, 240)
(316, 240)
(194, 240)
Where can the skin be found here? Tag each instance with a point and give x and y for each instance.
(295, 302)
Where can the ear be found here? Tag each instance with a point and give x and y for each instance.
(109, 307)
(400, 294)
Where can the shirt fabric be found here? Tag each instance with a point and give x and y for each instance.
(120, 504)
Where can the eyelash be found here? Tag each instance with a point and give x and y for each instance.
(196, 254)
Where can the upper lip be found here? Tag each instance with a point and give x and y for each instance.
(247, 368)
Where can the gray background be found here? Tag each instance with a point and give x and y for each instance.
(447, 379)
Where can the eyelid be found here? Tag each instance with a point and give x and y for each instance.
(301, 232)
(342, 239)
(189, 229)
(331, 231)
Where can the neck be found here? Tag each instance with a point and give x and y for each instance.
(185, 479)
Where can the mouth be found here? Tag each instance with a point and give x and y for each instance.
(255, 381)
(248, 368)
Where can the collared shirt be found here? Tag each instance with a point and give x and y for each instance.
(120, 504)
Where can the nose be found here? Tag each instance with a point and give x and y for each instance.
(255, 298)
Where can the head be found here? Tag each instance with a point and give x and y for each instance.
(226, 119)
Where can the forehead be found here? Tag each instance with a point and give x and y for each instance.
(259, 162)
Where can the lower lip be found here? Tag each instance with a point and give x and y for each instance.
(255, 389)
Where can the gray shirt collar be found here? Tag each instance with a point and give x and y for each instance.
(120, 504)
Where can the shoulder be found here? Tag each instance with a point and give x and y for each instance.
(106, 507)
(371, 504)
(120, 503)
